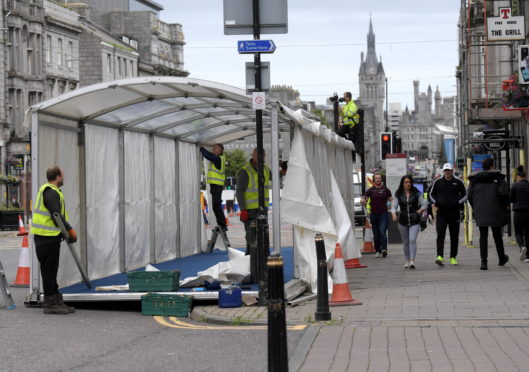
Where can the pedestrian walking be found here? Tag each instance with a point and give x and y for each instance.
(379, 197)
(47, 238)
(448, 195)
(519, 197)
(410, 203)
(248, 197)
(216, 178)
(488, 195)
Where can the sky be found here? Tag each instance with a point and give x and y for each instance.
(320, 54)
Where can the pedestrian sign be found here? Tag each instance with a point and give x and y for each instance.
(256, 46)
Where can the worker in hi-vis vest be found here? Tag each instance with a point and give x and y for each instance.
(350, 121)
(216, 178)
(47, 237)
(248, 196)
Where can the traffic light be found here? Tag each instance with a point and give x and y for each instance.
(385, 144)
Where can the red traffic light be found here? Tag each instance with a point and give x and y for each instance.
(385, 137)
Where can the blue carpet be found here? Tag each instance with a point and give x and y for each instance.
(188, 266)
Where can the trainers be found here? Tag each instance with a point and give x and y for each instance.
(504, 261)
(523, 253)
(377, 255)
(406, 265)
(439, 260)
(483, 266)
(412, 264)
(453, 261)
(526, 260)
(384, 253)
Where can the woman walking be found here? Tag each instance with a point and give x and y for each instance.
(410, 201)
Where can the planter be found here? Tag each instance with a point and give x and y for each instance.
(9, 219)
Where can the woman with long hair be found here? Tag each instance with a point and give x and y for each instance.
(410, 201)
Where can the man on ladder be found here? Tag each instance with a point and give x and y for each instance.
(216, 178)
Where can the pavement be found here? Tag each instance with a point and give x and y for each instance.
(454, 318)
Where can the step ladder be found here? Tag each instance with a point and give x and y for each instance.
(216, 232)
(8, 300)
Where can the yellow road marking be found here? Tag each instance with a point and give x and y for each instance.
(176, 323)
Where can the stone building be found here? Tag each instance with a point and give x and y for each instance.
(418, 133)
(372, 84)
(160, 46)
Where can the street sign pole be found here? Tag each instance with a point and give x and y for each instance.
(262, 220)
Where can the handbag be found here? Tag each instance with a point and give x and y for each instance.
(424, 222)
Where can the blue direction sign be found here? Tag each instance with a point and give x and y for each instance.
(256, 46)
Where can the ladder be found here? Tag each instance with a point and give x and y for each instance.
(216, 232)
(5, 289)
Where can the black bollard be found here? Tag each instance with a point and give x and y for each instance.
(277, 327)
(322, 307)
(252, 246)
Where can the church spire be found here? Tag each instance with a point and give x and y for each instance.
(370, 38)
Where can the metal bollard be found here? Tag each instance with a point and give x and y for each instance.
(277, 327)
(322, 307)
(252, 246)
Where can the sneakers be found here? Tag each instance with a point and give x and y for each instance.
(412, 264)
(523, 253)
(440, 260)
(453, 261)
(483, 266)
(384, 253)
(377, 255)
(526, 260)
(406, 265)
(504, 260)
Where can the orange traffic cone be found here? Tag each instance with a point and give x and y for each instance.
(23, 271)
(341, 295)
(368, 238)
(354, 263)
(21, 230)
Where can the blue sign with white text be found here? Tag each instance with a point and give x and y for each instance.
(256, 46)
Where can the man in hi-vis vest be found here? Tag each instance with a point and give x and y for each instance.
(47, 237)
(216, 178)
(247, 193)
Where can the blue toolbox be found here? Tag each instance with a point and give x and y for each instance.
(230, 297)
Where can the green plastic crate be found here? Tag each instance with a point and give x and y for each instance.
(165, 304)
(154, 281)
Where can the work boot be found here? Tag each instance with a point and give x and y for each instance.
(50, 306)
(60, 302)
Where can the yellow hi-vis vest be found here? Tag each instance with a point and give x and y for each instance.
(251, 195)
(43, 224)
(350, 115)
(215, 176)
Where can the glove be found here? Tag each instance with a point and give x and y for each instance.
(244, 215)
(73, 236)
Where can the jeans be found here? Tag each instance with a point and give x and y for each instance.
(521, 228)
(379, 224)
(216, 201)
(409, 240)
(453, 228)
(483, 242)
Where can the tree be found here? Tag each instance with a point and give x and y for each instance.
(321, 115)
(235, 160)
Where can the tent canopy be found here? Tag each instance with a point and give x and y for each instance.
(190, 110)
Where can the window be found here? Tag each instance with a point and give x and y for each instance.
(70, 55)
(119, 66)
(125, 72)
(131, 68)
(48, 49)
(109, 63)
(59, 52)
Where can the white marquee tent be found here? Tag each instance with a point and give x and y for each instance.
(129, 149)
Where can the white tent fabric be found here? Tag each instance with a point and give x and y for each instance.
(312, 199)
(102, 199)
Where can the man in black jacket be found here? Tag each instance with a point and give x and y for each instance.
(488, 194)
(448, 194)
(519, 197)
